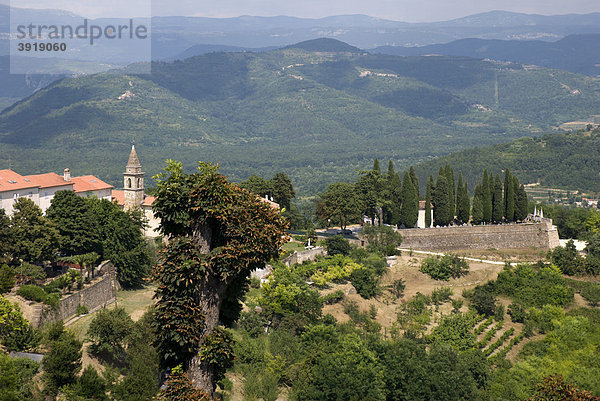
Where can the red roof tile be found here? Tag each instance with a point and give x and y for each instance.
(48, 180)
(9, 181)
(118, 195)
(88, 183)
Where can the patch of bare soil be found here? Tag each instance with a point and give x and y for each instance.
(407, 269)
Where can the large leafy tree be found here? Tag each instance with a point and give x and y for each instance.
(369, 186)
(340, 203)
(79, 231)
(6, 238)
(35, 237)
(218, 233)
(283, 190)
(258, 185)
(122, 241)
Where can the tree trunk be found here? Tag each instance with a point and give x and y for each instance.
(201, 373)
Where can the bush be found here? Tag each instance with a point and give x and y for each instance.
(398, 287)
(32, 293)
(365, 282)
(31, 273)
(334, 297)
(444, 268)
(82, 310)
(52, 300)
(63, 362)
(108, 331)
(483, 301)
(499, 313)
(517, 313)
(25, 339)
(337, 245)
(7, 278)
(591, 294)
(441, 295)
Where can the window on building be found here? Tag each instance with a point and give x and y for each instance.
(129, 183)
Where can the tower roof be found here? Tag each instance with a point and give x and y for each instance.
(133, 158)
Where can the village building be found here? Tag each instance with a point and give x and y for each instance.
(41, 188)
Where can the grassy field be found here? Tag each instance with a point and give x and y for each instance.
(135, 302)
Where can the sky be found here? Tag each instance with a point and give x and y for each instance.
(399, 10)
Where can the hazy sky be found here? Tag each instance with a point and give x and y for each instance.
(402, 10)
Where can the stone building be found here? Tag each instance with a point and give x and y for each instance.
(132, 195)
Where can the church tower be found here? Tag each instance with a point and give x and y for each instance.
(133, 182)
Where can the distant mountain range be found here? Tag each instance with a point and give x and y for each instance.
(575, 53)
(318, 110)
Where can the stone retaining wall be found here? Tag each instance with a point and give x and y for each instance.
(101, 292)
(504, 236)
(299, 257)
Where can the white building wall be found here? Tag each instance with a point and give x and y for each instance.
(8, 198)
(152, 222)
(100, 194)
(47, 194)
(421, 220)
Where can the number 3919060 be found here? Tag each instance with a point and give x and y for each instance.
(42, 47)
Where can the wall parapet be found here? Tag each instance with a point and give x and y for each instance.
(502, 236)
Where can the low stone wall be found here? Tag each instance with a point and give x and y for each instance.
(101, 292)
(504, 236)
(299, 257)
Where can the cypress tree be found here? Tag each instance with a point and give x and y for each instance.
(497, 201)
(509, 197)
(396, 200)
(477, 209)
(409, 213)
(486, 197)
(451, 188)
(428, 203)
(523, 203)
(441, 202)
(415, 180)
(463, 206)
(376, 166)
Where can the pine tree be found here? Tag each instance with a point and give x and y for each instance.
(428, 203)
(409, 213)
(415, 180)
(486, 197)
(497, 206)
(463, 206)
(509, 197)
(441, 199)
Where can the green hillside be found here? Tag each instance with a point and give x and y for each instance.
(319, 116)
(568, 161)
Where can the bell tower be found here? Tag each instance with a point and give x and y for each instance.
(133, 182)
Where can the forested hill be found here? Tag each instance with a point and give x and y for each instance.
(568, 161)
(319, 114)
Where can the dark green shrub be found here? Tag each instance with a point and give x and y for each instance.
(483, 301)
(517, 313)
(365, 283)
(63, 362)
(32, 293)
(591, 294)
(441, 295)
(499, 313)
(398, 287)
(91, 385)
(337, 245)
(7, 278)
(253, 323)
(334, 297)
(445, 267)
(26, 339)
(52, 299)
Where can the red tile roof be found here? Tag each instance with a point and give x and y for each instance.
(9, 181)
(118, 195)
(88, 183)
(48, 180)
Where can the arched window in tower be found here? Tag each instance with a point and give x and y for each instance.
(129, 183)
(139, 184)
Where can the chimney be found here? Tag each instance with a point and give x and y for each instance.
(67, 175)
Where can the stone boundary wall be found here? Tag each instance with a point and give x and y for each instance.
(299, 257)
(504, 236)
(100, 293)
